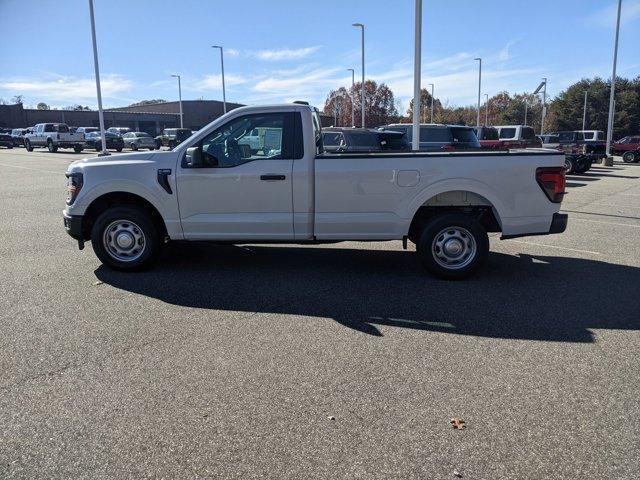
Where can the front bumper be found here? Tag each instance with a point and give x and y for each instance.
(73, 225)
(558, 225)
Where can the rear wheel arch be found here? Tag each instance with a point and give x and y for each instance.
(119, 199)
(455, 201)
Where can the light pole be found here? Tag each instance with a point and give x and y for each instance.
(417, 54)
(486, 110)
(431, 85)
(98, 90)
(526, 107)
(224, 95)
(584, 110)
(609, 160)
(353, 83)
(543, 87)
(179, 96)
(479, 88)
(360, 25)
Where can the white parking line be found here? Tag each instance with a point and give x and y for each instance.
(29, 168)
(605, 223)
(559, 248)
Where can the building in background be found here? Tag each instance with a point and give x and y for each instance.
(152, 118)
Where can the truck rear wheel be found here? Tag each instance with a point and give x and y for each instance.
(453, 246)
(125, 238)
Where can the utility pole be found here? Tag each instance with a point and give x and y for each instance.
(526, 106)
(98, 90)
(362, 89)
(544, 105)
(609, 159)
(353, 83)
(431, 85)
(180, 97)
(224, 94)
(479, 88)
(486, 110)
(417, 54)
(584, 110)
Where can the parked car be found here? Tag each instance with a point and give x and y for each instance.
(489, 138)
(518, 136)
(578, 158)
(136, 140)
(628, 147)
(550, 140)
(113, 141)
(209, 189)
(5, 138)
(344, 140)
(118, 130)
(434, 138)
(171, 137)
(54, 136)
(593, 135)
(86, 130)
(17, 136)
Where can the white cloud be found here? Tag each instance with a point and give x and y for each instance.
(61, 89)
(214, 82)
(606, 16)
(231, 52)
(283, 54)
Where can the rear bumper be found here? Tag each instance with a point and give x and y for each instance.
(558, 225)
(73, 225)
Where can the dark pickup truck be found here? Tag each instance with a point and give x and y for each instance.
(579, 153)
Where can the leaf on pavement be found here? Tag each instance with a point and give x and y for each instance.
(458, 423)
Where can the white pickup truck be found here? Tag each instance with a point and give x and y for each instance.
(54, 136)
(214, 187)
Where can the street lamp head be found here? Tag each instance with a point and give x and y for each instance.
(478, 58)
(176, 76)
(357, 25)
(216, 46)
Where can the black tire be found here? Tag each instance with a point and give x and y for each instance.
(142, 254)
(28, 146)
(630, 157)
(172, 145)
(97, 147)
(78, 149)
(582, 166)
(52, 148)
(119, 149)
(569, 165)
(10, 146)
(463, 231)
(134, 147)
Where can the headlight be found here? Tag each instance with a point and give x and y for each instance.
(74, 184)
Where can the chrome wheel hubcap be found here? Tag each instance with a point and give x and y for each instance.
(454, 248)
(124, 240)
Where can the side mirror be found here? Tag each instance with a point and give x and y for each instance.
(193, 157)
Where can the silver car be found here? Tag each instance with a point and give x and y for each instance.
(136, 140)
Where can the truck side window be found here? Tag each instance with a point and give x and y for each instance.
(233, 144)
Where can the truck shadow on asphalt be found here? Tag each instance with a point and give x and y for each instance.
(519, 297)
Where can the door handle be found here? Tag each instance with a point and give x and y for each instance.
(272, 176)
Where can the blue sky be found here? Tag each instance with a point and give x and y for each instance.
(299, 50)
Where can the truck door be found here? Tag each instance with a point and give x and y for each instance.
(227, 190)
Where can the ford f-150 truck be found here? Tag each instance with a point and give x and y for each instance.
(54, 136)
(212, 187)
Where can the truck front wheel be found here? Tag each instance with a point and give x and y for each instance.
(125, 238)
(52, 148)
(27, 145)
(453, 246)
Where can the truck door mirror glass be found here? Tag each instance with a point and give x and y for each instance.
(193, 157)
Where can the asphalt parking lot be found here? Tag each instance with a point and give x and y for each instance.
(337, 361)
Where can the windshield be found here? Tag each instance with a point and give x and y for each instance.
(464, 135)
(507, 133)
(488, 134)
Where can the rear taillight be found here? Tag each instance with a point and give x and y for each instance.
(552, 180)
(448, 148)
(74, 184)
